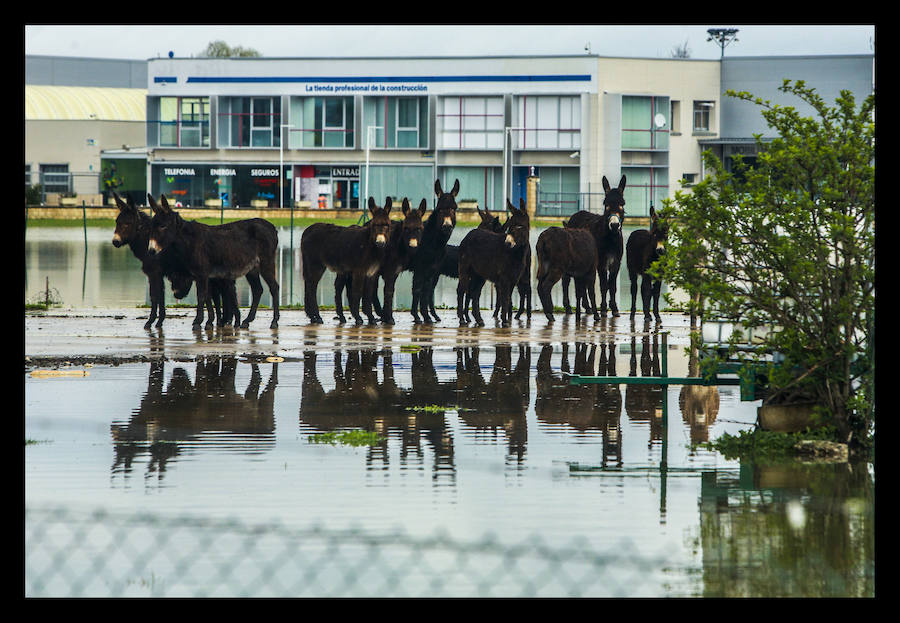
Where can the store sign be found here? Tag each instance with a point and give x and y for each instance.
(263, 172)
(180, 171)
(222, 172)
(344, 171)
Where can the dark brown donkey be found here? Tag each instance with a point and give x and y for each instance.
(644, 248)
(401, 248)
(427, 263)
(566, 252)
(610, 244)
(241, 248)
(133, 229)
(354, 250)
(496, 257)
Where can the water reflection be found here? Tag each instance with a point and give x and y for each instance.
(794, 529)
(173, 418)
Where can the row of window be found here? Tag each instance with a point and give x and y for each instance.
(539, 122)
(462, 122)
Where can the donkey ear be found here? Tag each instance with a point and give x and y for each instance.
(437, 188)
(165, 204)
(154, 207)
(372, 206)
(423, 206)
(455, 190)
(622, 184)
(510, 207)
(130, 203)
(387, 204)
(121, 204)
(522, 206)
(652, 212)
(404, 207)
(605, 184)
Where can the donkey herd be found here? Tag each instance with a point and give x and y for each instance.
(214, 256)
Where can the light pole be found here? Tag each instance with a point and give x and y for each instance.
(281, 166)
(365, 196)
(723, 36)
(506, 176)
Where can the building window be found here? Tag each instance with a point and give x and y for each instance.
(647, 186)
(55, 178)
(645, 122)
(703, 116)
(547, 122)
(321, 122)
(470, 122)
(249, 121)
(180, 121)
(27, 175)
(397, 122)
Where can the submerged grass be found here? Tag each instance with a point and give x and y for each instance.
(353, 438)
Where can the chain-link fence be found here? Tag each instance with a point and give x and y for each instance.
(107, 554)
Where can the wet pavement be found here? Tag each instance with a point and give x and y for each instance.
(78, 336)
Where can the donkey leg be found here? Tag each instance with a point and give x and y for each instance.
(657, 287)
(157, 289)
(431, 292)
(311, 276)
(256, 291)
(369, 288)
(646, 295)
(387, 308)
(612, 284)
(604, 288)
(462, 288)
(543, 289)
(592, 295)
(340, 282)
(268, 270)
(565, 294)
(202, 298)
(357, 285)
(634, 286)
(416, 295)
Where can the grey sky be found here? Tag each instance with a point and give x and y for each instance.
(151, 41)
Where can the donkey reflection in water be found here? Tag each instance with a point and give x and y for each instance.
(242, 248)
(353, 250)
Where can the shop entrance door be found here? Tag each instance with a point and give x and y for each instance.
(345, 194)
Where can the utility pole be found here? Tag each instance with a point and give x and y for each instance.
(723, 36)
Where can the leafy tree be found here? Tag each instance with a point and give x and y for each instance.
(790, 243)
(220, 49)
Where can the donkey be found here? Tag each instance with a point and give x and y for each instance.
(567, 252)
(402, 246)
(133, 229)
(246, 247)
(426, 264)
(354, 250)
(644, 248)
(609, 243)
(496, 257)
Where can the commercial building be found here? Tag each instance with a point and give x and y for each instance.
(327, 133)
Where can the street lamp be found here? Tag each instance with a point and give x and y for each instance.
(724, 36)
(506, 176)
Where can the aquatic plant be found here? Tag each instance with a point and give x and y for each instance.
(353, 438)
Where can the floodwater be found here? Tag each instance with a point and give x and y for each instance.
(187, 463)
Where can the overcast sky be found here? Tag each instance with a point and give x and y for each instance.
(143, 42)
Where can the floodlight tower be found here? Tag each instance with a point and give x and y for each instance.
(723, 36)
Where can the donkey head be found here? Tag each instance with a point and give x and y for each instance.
(517, 225)
(614, 205)
(446, 206)
(380, 224)
(659, 232)
(181, 284)
(164, 225)
(488, 220)
(411, 230)
(128, 222)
